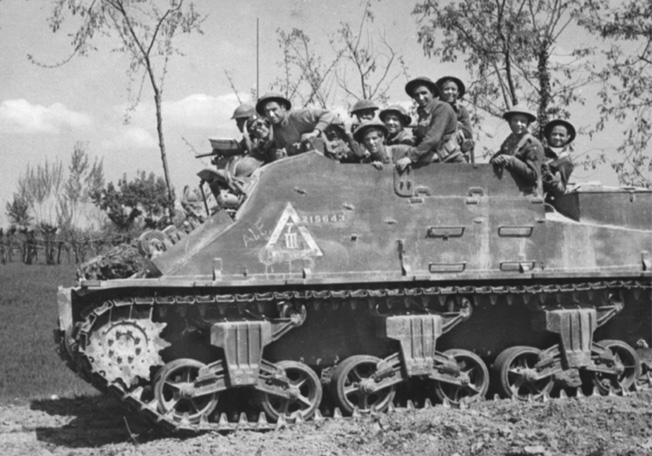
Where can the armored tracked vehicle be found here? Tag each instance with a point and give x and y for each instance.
(340, 289)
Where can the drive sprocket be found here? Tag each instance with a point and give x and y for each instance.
(126, 349)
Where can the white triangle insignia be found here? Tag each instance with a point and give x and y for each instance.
(290, 240)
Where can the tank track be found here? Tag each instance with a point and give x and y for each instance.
(139, 400)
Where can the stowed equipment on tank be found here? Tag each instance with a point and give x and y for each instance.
(524, 372)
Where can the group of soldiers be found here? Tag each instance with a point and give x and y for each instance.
(442, 133)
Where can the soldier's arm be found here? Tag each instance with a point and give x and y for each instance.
(442, 117)
(529, 166)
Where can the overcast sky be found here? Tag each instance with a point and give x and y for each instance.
(45, 111)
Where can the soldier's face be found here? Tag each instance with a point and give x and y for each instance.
(449, 92)
(373, 141)
(422, 95)
(259, 130)
(365, 114)
(558, 136)
(274, 112)
(393, 123)
(519, 123)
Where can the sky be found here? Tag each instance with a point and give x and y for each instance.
(44, 112)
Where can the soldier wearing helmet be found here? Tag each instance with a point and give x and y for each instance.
(292, 127)
(557, 166)
(396, 119)
(371, 134)
(241, 114)
(452, 90)
(435, 132)
(521, 154)
(363, 110)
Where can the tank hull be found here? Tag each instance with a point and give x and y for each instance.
(335, 286)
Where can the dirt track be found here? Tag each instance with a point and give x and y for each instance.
(592, 426)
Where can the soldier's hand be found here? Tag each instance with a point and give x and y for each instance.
(508, 160)
(498, 161)
(377, 164)
(403, 163)
(313, 134)
(280, 153)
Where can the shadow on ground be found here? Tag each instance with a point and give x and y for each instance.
(96, 421)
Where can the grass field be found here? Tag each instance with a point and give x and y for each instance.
(29, 366)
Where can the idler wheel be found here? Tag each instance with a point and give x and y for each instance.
(353, 385)
(175, 391)
(474, 376)
(626, 366)
(305, 393)
(517, 372)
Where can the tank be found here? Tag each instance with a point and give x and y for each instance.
(338, 289)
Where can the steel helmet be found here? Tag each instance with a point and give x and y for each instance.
(244, 111)
(363, 105)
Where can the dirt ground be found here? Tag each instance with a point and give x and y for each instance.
(592, 426)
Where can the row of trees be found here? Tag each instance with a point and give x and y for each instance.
(515, 51)
(71, 207)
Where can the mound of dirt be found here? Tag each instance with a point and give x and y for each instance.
(593, 426)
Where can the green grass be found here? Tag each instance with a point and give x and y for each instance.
(29, 366)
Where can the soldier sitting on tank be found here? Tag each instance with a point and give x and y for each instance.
(362, 111)
(292, 130)
(557, 164)
(240, 115)
(436, 129)
(396, 119)
(371, 134)
(452, 90)
(521, 153)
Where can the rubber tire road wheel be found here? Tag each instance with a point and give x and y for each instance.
(478, 374)
(626, 355)
(168, 385)
(345, 386)
(308, 400)
(509, 371)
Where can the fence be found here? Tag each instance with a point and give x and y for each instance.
(33, 247)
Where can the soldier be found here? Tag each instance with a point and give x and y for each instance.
(291, 128)
(557, 164)
(363, 110)
(521, 153)
(396, 119)
(436, 127)
(241, 114)
(371, 135)
(452, 90)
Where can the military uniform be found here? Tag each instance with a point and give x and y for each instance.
(436, 125)
(388, 154)
(555, 172)
(288, 133)
(402, 137)
(526, 165)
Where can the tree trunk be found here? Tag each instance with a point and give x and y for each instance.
(161, 144)
(544, 86)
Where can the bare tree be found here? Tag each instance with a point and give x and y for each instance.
(508, 47)
(356, 68)
(305, 75)
(367, 70)
(145, 31)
